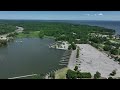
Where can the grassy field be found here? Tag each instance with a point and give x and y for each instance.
(32, 34)
(61, 74)
(49, 37)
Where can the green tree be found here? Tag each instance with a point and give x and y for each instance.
(97, 75)
(76, 68)
(113, 73)
(3, 42)
(86, 75)
(52, 75)
(69, 47)
(118, 60)
(114, 51)
(107, 42)
(110, 78)
(77, 55)
(73, 46)
(71, 74)
(41, 34)
(107, 47)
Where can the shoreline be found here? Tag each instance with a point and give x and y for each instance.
(6, 36)
(62, 45)
(64, 62)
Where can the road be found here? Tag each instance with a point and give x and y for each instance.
(72, 60)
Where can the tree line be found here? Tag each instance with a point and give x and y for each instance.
(62, 31)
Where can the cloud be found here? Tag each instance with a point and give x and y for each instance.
(100, 14)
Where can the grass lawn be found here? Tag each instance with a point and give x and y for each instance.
(32, 34)
(61, 74)
(49, 37)
(21, 35)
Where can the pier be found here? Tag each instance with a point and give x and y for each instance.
(65, 58)
(23, 76)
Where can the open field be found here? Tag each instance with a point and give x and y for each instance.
(61, 74)
(31, 34)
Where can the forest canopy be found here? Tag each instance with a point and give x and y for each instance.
(61, 31)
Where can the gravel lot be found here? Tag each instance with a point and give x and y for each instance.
(92, 60)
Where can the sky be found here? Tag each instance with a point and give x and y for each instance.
(61, 15)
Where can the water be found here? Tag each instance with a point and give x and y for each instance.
(28, 56)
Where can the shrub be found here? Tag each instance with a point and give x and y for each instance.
(3, 42)
(85, 75)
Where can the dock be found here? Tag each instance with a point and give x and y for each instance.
(23, 76)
